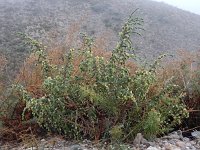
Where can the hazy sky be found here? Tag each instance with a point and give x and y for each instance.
(189, 5)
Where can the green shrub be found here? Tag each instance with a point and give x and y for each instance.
(103, 99)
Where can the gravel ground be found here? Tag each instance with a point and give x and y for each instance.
(173, 141)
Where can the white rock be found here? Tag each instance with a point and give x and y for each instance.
(185, 139)
(32, 148)
(76, 147)
(193, 148)
(188, 144)
(196, 134)
(43, 140)
(193, 142)
(152, 148)
(171, 147)
(151, 143)
(138, 139)
(180, 144)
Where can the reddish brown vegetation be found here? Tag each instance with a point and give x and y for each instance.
(15, 128)
(185, 71)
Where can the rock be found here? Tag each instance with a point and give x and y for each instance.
(146, 143)
(152, 148)
(172, 142)
(139, 139)
(171, 147)
(174, 135)
(86, 141)
(193, 142)
(32, 148)
(196, 134)
(150, 144)
(185, 139)
(180, 144)
(43, 140)
(188, 144)
(76, 147)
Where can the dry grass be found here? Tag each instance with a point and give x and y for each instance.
(30, 75)
(185, 72)
(3, 63)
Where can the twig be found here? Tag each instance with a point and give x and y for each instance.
(193, 111)
(191, 129)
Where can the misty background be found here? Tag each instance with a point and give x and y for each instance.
(166, 28)
(189, 5)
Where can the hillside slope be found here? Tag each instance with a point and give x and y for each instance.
(166, 28)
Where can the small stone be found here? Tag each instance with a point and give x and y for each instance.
(86, 141)
(185, 139)
(193, 142)
(152, 148)
(176, 148)
(146, 143)
(175, 135)
(193, 148)
(43, 140)
(171, 147)
(173, 141)
(32, 148)
(180, 144)
(196, 134)
(76, 147)
(138, 139)
(151, 143)
(188, 144)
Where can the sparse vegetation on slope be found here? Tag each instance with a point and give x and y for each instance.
(166, 28)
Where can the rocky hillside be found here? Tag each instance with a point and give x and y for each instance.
(166, 28)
